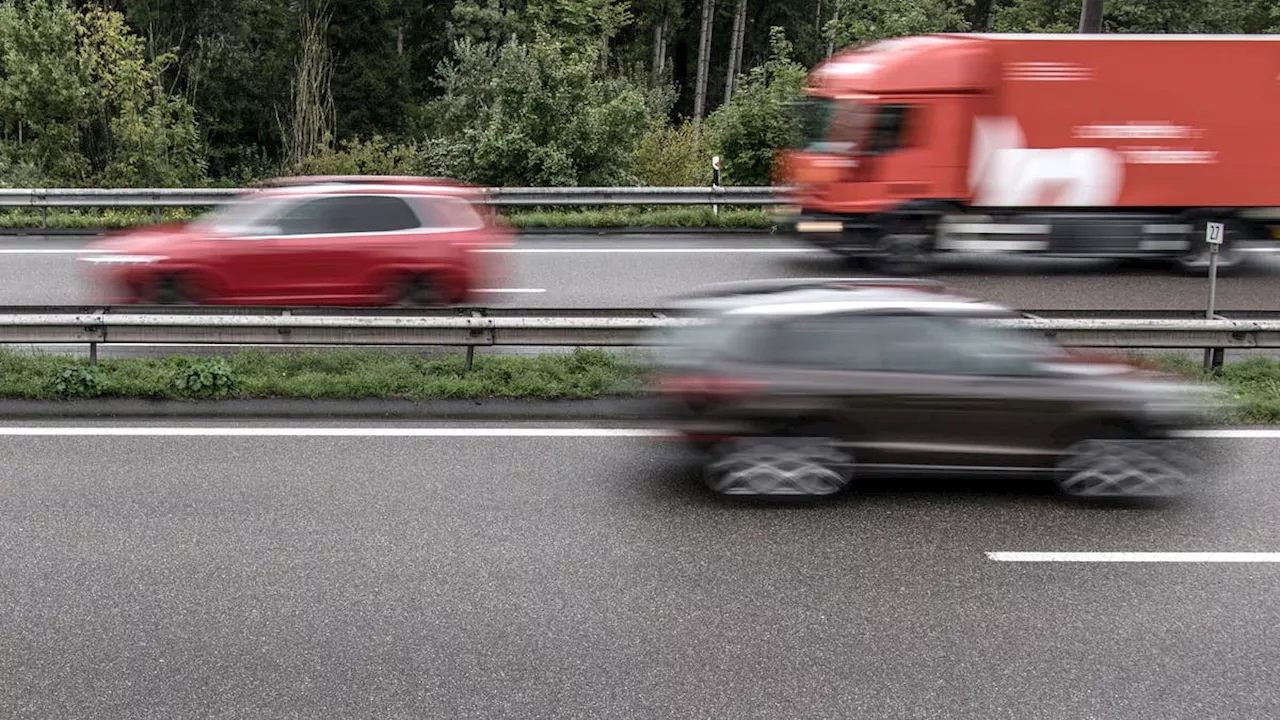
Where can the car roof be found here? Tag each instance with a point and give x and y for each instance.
(815, 296)
(365, 184)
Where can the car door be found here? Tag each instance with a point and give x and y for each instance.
(244, 253)
(960, 395)
(908, 392)
(315, 248)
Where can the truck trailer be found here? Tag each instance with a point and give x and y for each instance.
(1102, 146)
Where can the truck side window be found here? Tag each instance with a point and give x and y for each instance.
(889, 132)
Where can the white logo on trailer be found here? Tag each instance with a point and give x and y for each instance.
(1003, 172)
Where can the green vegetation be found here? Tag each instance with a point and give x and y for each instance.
(1253, 384)
(497, 92)
(615, 217)
(328, 374)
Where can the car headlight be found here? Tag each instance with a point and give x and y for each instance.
(124, 259)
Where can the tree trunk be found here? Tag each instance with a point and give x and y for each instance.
(1091, 16)
(735, 50)
(655, 66)
(835, 23)
(312, 119)
(704, 62)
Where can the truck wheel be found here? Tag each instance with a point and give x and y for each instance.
(905, 254)
(1195, 261)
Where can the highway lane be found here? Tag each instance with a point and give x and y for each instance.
(361, 575)
(630, 271)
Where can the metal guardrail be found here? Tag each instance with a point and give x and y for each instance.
(44, 198)
(481, 327)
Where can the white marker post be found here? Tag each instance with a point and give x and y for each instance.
(715, 182)
(1213, 236)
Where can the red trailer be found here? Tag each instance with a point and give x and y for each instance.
(1071, 145)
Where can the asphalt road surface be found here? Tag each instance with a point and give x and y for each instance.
(639, 271)
(270, 574)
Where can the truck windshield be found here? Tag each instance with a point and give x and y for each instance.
(830, 125)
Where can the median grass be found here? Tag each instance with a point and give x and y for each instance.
(588, 218)
(1253, 384)
(584, 373)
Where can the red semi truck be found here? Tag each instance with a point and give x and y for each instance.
(1105, 146)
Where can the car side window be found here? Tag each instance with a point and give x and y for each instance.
(916, 344)
(447, 213)
(826, 342)
(939, 345)
(348, 214)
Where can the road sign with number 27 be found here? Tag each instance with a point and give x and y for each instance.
(1213, 233)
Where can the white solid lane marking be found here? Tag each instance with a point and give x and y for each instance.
(673, 250)
(284, 431)
(512, 290)
(47, 251)
(1137, 557)
(136, 431)
(1233, 433)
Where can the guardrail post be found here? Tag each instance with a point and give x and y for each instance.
(93, 353)
(471, 348)
(44, 217)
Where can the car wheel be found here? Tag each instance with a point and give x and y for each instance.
(416, 291)
(1111, 462)
(779, 467)
(172, 290)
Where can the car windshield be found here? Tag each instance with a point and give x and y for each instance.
(242, 216)
(830, 125)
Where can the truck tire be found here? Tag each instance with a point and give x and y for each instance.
(905, 254)
(1195, 261)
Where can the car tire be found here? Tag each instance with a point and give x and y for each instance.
(779, 467)
(172, 289)
(416, 290)
(1111, 461)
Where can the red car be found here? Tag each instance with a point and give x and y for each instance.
(318, 241)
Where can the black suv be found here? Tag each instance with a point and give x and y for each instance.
(796, 387)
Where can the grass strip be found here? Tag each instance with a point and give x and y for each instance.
(587, 218)
(1253, 384)
(339, 374)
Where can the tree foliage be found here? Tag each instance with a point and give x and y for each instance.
(758, 121)
(81, 101)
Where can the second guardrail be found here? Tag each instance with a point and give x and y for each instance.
(534, 328)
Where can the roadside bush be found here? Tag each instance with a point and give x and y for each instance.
(204, 377)
(758, 121)
(82, 102)
(375, 156)
(538, 113)
(672, 156)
